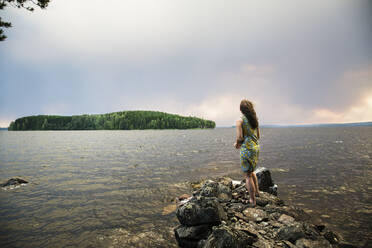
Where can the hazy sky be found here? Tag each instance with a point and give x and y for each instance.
(298, 61)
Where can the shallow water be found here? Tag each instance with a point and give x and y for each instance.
(92, 188)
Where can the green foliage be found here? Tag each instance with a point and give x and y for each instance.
(125, 120)
(24, 4)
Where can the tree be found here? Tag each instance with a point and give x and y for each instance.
(20, 4)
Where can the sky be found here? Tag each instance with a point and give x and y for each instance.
(299, 62)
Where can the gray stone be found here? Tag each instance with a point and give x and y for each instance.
(306, 243)
(227, 237)
(215, 189)
(190, 236)
(13, 182)
(286, 219)
(291, 233)
(331, 237)
(255, 214)
(264, 179)
(201, 210)
(262, 243)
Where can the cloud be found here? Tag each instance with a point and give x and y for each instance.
(359, 113)
(293, 59)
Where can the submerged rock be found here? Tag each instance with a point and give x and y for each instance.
(13, 182)
(219, 215)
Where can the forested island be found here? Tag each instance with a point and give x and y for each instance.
(124, 120)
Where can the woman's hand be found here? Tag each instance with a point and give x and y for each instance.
(237, 145)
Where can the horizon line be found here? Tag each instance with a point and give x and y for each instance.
(367, 123)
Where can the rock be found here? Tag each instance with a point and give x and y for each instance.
(249, 229)
(264, 179)
(237, 207)
(285, 219)
(291, 233)
(13, 182)
(273, 189)
(183, 197)
(201, 210)
(306, 243)
(215, 189)
(227, 237)
(320, 227)
(255, 214)
(228, 182)
(261, 201)
(331, 237)
(289, 244)
(218, 215)
(190, 236)
(263, 243)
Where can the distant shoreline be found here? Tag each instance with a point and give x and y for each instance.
(124, 120)
(353, 124)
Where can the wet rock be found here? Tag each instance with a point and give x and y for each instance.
(124, 238)
(261, 201)
(264, 179)
(285, 219)
(263, 243)
(306, 243)
(227, 237)
(219, 215)
(183, 197)
(291, 233)
(190, 236)
(255, 214)
(331, 237)
(215, 189)
(13, 182)
(237, 207)
(226, 181)
(201, 210)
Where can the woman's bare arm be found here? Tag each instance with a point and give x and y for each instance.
(239, 134)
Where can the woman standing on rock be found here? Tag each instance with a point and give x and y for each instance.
(247, 135)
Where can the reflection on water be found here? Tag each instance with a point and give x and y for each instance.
(112, 188)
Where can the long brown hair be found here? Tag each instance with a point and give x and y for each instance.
(246, 107)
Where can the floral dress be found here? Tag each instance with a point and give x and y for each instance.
(250, 148)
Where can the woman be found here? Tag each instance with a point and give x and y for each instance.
(247, 135)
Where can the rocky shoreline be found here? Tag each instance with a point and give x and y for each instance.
(218, 215)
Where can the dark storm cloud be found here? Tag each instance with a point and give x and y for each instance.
(185, 56)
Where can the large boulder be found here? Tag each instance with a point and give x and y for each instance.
(201, 210)
(228, 237)
(189, 236)
(215, 189)
(265, 183)
(291, 233)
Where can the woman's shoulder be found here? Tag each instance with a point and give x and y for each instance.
(239, 122)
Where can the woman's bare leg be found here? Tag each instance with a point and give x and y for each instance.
(249, 184)
(257, 190)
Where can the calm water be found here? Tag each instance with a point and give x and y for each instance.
(92, 188)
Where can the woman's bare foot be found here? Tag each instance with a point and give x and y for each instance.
(252, 202)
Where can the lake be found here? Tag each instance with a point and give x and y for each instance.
(103, 188)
